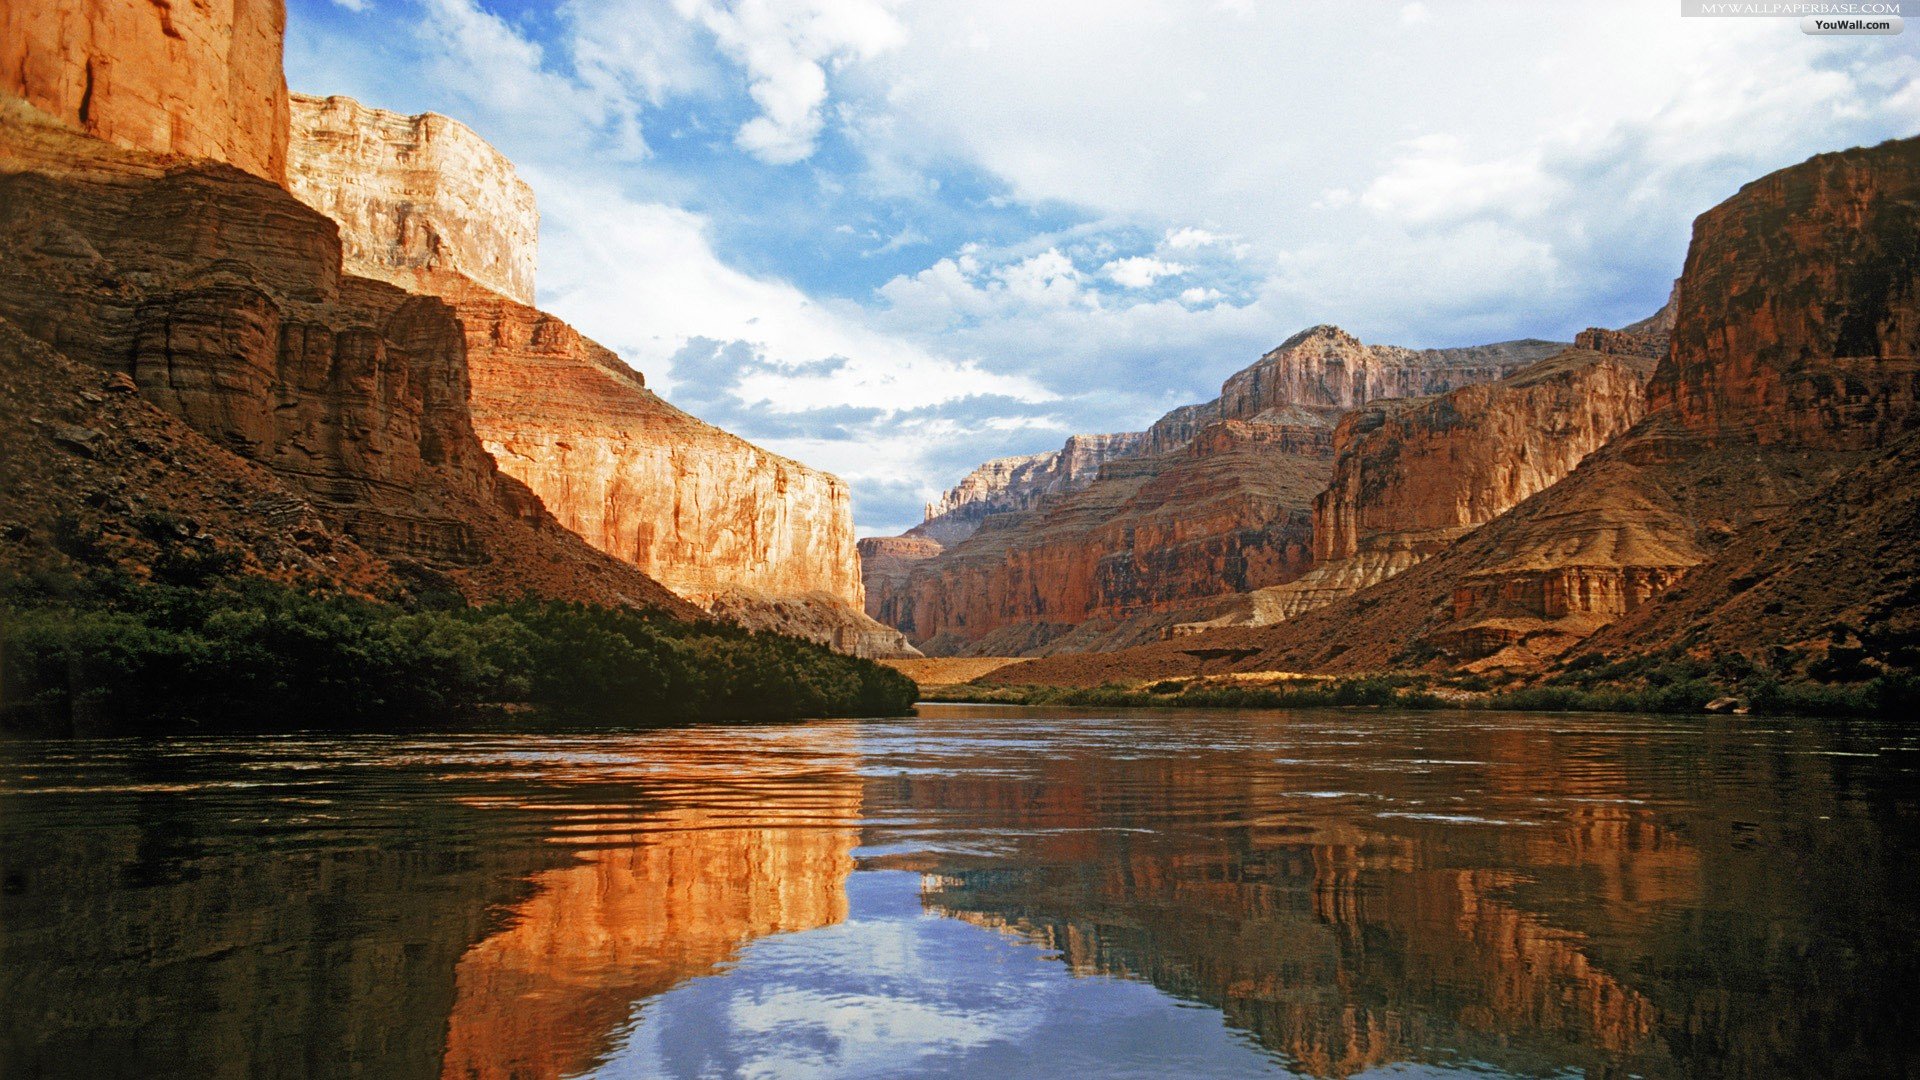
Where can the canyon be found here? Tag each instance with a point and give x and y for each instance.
(219, 299)
(342, 297)
(1116, 539)
(1751, 512)
(761, 540)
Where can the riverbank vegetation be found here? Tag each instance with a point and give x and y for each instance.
(110, 653)
(1665, 685)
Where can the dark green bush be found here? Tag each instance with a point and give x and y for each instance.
(253, 654)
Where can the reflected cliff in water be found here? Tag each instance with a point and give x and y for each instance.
(978, 892)
(468, 907)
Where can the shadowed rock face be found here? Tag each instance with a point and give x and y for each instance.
(220, 297)
(200, 80)
(1131, 533)
(1793, 363)
(766, 541)
(414, 193)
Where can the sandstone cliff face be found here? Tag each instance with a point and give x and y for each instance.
(199, 80)
(763, 540)
(1325, 365)
(1004, 485)
(1213, 500)
(1227, 513)
(414, 193)
(1412, 476)
(221, 298)
(1795, 346)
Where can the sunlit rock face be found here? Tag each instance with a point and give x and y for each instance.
(1411, 476)
(385, 178)
(1790, 384)
(199, 80)
(1008, 484)
(221, 298)
(761, 539)
(1212, 501)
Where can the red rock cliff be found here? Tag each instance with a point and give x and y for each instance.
(1795, 360)
(198, 80)
(1213, 500)
(759, 538)
(220, 297)
(1412, 476)
(385, 178)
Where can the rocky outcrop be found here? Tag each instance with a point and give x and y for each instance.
(1411, 476)
(1214, 500)
(1794, 356)
(1009, 484)
(1324, 365)
(220, 298)
(199, 80)
(769, 542)
(414, 193)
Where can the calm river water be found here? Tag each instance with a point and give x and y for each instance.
(982, 891)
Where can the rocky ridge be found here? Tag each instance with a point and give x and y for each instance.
(1791, 383)
(220, 299)
(762, 539)
(1212, 501)
(1413, 475)
(388, 180)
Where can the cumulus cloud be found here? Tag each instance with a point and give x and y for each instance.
(786, 47)
(1017, 218)
(1140, 271)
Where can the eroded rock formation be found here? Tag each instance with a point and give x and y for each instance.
(765, 540)
(1009, 484)
(1212, 501)
(414, 193)
(221, 299)
(1411, 476)
(1795, 357)
(199, 80)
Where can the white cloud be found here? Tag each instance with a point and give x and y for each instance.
(1187, 238)
(1140, 271)
(1196, 296)
(354, 5)
(1414, 14)
(786, 47)
(648, 308)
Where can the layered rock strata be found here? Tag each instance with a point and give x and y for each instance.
(1411, 476)
(768, 542)
(1214, 500)
(1009, 484)
(199, 80)
(1795, 358)
(221, 299)
(414, 193)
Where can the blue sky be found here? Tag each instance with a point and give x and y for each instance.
(894, 239)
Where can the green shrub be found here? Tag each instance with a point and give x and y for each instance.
(110, 652)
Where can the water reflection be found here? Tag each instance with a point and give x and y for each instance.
(979, 892)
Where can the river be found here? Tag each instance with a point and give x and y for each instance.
(981, 891)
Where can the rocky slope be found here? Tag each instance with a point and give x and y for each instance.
(762, 539)
(199, 80)
(1009, 484)
(220, 298)
(1796, 353)
(1214, 500)
(1413, 475)
(414, 193)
